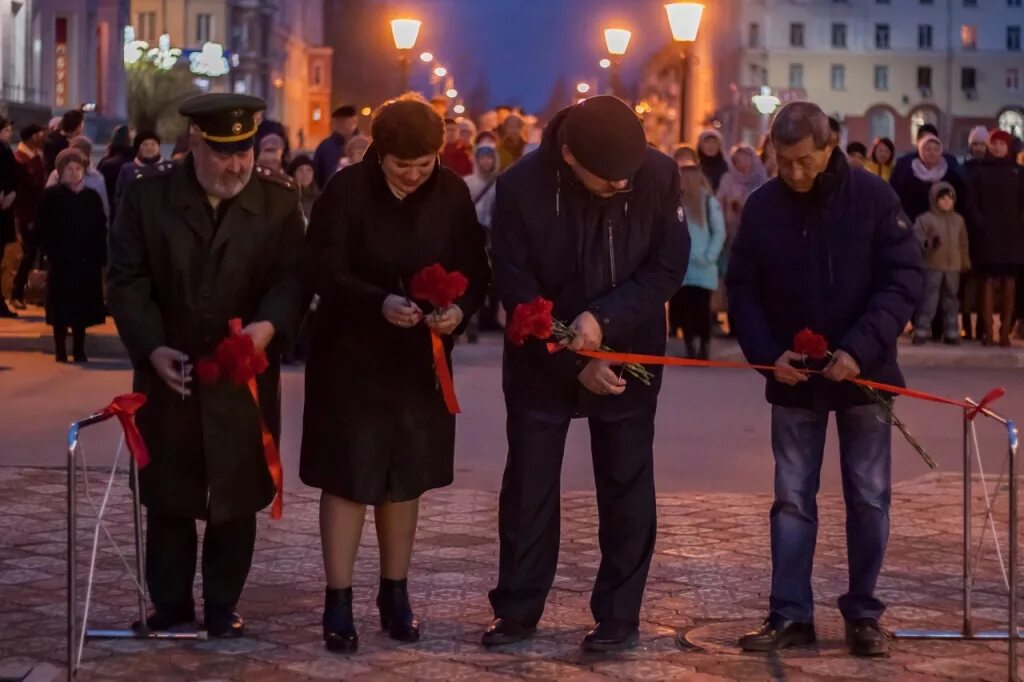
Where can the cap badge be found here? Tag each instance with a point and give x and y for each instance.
(236, 128)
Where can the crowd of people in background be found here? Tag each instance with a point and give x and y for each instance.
(968, 214)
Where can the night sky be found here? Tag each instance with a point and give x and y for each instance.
(522, 47)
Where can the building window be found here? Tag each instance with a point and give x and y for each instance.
(838, 77)
(924, 36)
(204, 28)
(754, 35)
(881, 123)
(927, 2)
(1013, 79)
(881, 78)
(796, 76)
(796, 35)
(318, 74)
(881, 2)
(1013, 38)
(969, 36)
(146, 26)
(882, 36)
(970, 3)
(1013, 3)
(924, 77)
(839, 35)
(968, 79)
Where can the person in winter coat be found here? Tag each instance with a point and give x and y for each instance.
(903, 169)
(271, 152)
(355, 150)
(194, 245)
(512, 144)
(942, 234)
(9, 174)
(94, 180)
(32, 182)
(302, 170)
(826, 248)
(592, 221)
(977, 143)
(685, 155)
(344, 124)
(72, 123)
(738, 183)
(456, 154)
(690, 307)
(881, 158)
(995, 217)
(119, 153)
(376, 430)
(712, 157)
(72, 232)
(146, 146)
(766, 152)
(482, 182)
(930, 167)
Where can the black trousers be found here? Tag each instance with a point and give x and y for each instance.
(529, 514)
(171, 549)
(29, 258)
(690, 310)
(60, 341)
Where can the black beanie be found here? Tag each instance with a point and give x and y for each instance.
(606, 137)
(141, 137)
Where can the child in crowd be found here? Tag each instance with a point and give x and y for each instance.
(943, 237)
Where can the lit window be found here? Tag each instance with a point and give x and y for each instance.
(969, 36)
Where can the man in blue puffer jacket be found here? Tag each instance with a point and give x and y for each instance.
(825, 247)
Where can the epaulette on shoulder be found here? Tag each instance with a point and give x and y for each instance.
(275, 177)
(154, 171)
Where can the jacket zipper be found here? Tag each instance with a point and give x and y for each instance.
(611, 253)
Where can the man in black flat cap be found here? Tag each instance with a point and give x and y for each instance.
(592, 221)
(344, 124)
(194, 245)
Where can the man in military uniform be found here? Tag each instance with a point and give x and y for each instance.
(195, 244)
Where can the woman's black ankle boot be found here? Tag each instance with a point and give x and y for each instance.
(339, 626)
(395, 613)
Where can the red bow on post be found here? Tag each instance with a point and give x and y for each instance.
(124, 408)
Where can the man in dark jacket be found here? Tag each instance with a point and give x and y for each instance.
(828, 248)
(30, 193)
(344, 124)
(194, 245)
(72, 123)
(592, 222)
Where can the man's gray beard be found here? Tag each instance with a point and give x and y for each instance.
(219, 190)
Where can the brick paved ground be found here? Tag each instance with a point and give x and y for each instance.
(710, 577)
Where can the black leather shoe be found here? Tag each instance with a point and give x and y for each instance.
(778, 633)
(865, 637)
(224, 624)
(162, 620)
(504, 631)
(610, 636)
(340, 634)
(395, 613)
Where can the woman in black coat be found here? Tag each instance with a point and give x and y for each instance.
(9, 175)
(995, 221)
(376, 430)
(72, 232)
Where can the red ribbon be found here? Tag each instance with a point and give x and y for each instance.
(124, 408)
(444, 375)
(623, 358)
(272, 456)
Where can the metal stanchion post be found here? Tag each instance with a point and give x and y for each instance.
(968, 625)
(1014, 632)
(140, 566)
(72, 533)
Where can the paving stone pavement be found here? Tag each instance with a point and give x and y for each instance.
(709, 579)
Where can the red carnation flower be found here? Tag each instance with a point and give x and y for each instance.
(810, 343)
(208, 371)
(437, 286)
(531, 320)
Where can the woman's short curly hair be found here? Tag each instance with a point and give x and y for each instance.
(407, 127)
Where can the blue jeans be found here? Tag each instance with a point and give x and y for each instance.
(798, 442)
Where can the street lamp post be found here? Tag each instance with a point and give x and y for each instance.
(617, 41)
(684, 20)
(405, 32)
